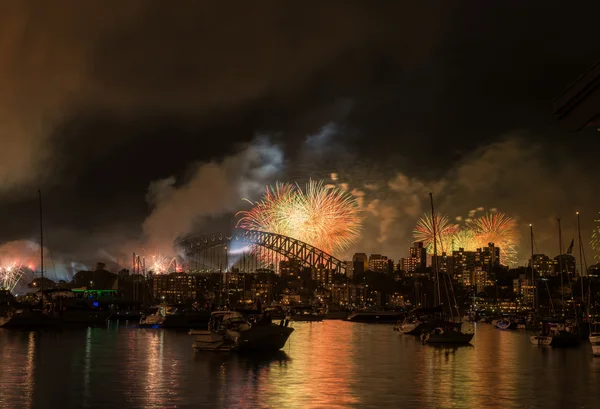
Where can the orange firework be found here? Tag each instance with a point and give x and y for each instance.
(323, 216)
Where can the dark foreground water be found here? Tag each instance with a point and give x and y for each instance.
(332, 364)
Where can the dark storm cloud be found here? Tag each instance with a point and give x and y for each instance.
(135, 58)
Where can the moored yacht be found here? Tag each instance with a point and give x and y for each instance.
(449, 333)
(595, 338)
(374, 316)
(556, 334)
(231, 331)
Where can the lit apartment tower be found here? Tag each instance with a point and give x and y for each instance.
(349, 268)
(290, 267)
(378, 263)
(416, 260)
(444, 263)
(568, 264)
(360, 263)
(175, 288)
(474, 268)
(322, 274)
(418, 252)
(463, 264)
(542, 265)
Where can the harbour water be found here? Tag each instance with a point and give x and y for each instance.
(331, 364)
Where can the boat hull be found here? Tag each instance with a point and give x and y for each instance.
(336, 315)
(555, 341)
(595, 341)
(388, 317)
(30, 320)
(257, 338)
(448, 337)
(264, 338)
(540, 340)
(423, 327)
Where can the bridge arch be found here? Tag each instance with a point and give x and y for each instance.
(289, 247)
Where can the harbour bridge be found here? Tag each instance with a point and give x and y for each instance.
(288, 247)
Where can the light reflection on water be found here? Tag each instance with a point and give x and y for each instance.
(332, 364)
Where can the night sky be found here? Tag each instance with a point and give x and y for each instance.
(103, 101)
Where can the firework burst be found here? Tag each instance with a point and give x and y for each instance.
(497, 228)
(323, 216)
(595, 242)
(10, 276)
(444, 229)
(464, 239)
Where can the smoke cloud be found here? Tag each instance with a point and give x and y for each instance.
(212, 189)
(512, 175)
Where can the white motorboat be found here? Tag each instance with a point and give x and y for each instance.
(595, 338)
(231, 331)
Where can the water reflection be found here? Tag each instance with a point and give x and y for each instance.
(329, 364)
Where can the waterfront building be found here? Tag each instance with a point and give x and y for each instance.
(322, 275)
(347, 294)
(416, 260)
(567, 262)
(542, 265)
(463, 263)
(523, 288)
(360, 263)
(349, 268)
(175, 288)
(444, 263)
(379, 263)
(290, 267)
(475, 268)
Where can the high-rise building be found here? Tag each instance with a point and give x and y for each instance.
(416, 260)
(463, 264)
(379, 263)
(360, 263)
(349, 268)
(472, 268)
(418, 252)
(290, 267)
(542, 265)
(567, 263)
(322, 274)
(444, 263)
(175, 288)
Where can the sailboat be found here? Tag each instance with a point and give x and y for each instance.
(445, 332)
(557, 333)
(32, 317)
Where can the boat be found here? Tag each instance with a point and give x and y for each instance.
(336, 314)
(174, 316)
(595, 338)
(421, 320)
(231, 331)
(29, 319)
(33, 316)
(556, 334)
(506, 323)
(450, 333)
(308, 316)
(374, 316)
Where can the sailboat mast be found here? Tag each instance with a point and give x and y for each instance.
(41, 248)
(580, 261)
(435, 260)
(532, 269)
(560, 264)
